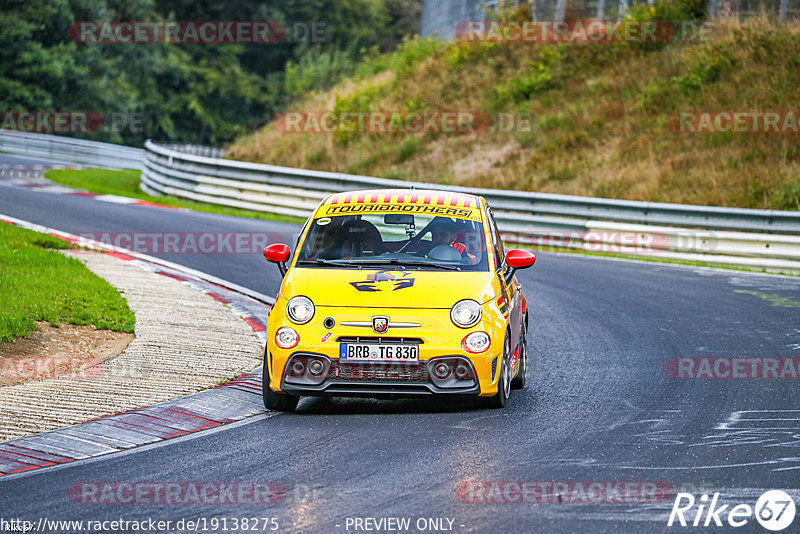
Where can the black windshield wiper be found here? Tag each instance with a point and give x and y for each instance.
(410, 263)
(337, 263)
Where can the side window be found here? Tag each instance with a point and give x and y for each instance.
(303, 229)
(497, 244)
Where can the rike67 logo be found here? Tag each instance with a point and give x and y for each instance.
(774, 511)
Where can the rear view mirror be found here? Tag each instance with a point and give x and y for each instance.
(398, 218)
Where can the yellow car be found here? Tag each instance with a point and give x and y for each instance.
(397, 293)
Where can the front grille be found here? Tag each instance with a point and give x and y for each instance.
(380, 340)
(408, 373)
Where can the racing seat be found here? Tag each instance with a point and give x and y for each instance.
(355, 238)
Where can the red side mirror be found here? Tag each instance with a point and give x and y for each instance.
(520, 259)
(277, 253)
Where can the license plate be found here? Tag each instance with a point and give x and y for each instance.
(368, 352)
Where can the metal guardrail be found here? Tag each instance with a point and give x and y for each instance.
(70, 150)
(195, 150)
(763, 239)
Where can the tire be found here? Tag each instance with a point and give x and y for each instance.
(278, 402)
(521, 378)
(504, 382)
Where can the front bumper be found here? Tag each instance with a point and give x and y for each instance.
(434, 333)
(377, 378)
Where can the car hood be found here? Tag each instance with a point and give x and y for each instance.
(373, 288)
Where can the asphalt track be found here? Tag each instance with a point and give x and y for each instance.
(599, 405)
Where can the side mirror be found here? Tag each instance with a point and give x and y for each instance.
(278, 253)
(518, 259)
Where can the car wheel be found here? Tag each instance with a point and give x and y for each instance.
(279, 402)
(521, 378)
(504, 382)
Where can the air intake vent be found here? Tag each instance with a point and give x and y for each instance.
(380, 340)
(494, 368)
(414, 373)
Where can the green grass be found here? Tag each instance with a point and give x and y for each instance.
(126, 183)
(39, 284)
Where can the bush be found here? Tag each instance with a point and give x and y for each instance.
(675, 12)
(788, 197)
(536, 79)
(402, 61)
(317, 70)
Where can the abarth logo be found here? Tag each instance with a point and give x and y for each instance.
(380, 324)
(385, 281)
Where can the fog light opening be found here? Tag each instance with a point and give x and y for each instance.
(441, 370)
(298, 367)
(462, 372)
(316, 367)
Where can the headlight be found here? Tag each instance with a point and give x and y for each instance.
(300, 309)
(286, 337)
(476, 342)
(465, 313)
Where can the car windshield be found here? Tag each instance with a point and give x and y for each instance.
(410, 241)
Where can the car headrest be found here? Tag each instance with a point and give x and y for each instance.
(360, 231)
